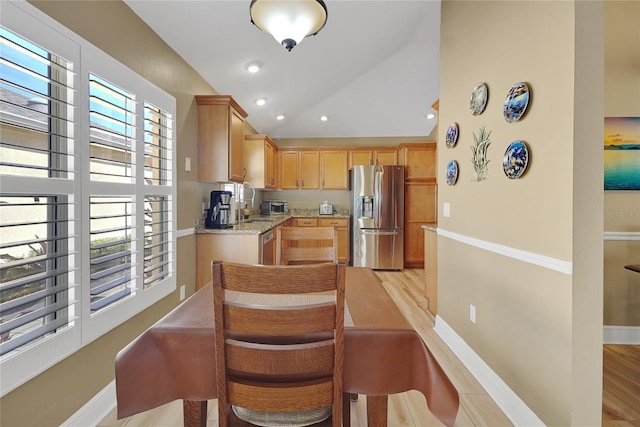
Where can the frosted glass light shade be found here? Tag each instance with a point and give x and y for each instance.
(289, 21)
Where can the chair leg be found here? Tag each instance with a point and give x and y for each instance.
(346, 409)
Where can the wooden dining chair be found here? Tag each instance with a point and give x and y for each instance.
(304, 245)
(279, 349)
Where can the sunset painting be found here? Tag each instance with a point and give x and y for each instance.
(622, 153)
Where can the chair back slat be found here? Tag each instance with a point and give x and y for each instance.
(295, 362)
(304, 398)
(279, 321)
(263, 279)
(299, 245)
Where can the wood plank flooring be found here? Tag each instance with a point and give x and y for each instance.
(621, 379)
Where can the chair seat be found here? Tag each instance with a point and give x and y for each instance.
(283, 419)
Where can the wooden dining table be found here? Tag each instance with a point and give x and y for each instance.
(383, 354)
(633, 267)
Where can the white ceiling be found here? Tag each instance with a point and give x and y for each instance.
(373, 69)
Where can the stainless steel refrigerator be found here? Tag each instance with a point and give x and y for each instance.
(378, 217)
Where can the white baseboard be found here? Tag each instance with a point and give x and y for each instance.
(629, 335)
(506, 399)
(94, 410)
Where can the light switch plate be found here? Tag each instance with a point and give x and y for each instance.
(446, 210)
(472, 313)
(187, 164)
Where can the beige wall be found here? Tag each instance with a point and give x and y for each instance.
(622, 208)
(539, 329)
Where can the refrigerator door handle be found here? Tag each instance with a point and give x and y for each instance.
(379, 233)
(377, 182)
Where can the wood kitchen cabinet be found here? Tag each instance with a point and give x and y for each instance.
(341, 226)
(220, 139)
(260, 161)
(420, 209)
(334, 170)
(419, 161)
(388, 156)
(360, 157)
(299, 169)
(420, 198)
(240, 248)
(373, 156)
(288, 166)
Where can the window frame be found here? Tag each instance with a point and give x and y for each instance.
(32, 24)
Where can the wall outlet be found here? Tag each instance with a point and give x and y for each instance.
(472, 313)
(187, 164)
(183, 290)
(446, 210)
(205, 206)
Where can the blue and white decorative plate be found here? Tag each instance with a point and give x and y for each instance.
(452, 135)
(516, 102)
(515, 160)
(478, 100)
(452, 172)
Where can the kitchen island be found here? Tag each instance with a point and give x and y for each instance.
(242, 242)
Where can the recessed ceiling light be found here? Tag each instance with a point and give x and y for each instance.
(254, 67)
(324, 118)
(280, 117)
(261, 101)
(430, 116)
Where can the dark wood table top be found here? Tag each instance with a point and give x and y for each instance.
(633, 267)
(174, 359)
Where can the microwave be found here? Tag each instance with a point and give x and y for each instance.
(273, 207)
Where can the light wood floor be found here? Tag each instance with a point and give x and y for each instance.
(621, 384)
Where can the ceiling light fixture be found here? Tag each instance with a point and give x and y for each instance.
(261, 101)
(280, 117)
(289, 21)
(430, 116)
(254, 67)
(324, 118)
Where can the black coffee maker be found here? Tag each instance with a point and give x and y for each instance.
(219, 212)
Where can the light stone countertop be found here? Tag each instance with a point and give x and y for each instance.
(258, 224)
(429, 227)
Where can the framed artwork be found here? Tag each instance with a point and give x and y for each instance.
(478, 100)
(452, 135)
(622, 153)
(515, 105)
(515, 160)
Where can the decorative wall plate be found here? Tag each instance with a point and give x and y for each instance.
(516, 102)
(516, 159)
(452, 172)
(478, 99)
(452, 135)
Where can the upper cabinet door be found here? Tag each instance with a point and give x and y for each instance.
(420, 161)
(386, 157)
(360, 157)
(288, 169)
(309, 170)
(220, 139)
(259, 161)
(334, 173)
(236, 147)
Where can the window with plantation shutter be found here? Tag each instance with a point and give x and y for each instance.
(87, 193)
(37, 209)
(110, 247)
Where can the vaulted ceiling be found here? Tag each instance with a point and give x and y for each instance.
(373, 69)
